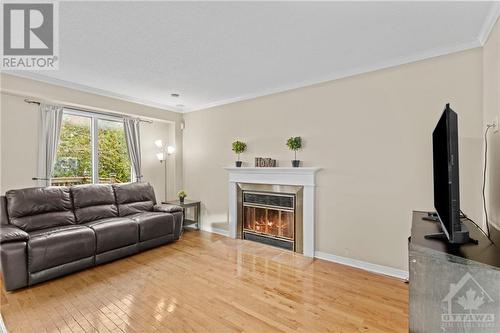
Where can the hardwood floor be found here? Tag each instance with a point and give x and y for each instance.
(210, 283)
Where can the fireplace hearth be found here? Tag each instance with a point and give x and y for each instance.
(271, 214)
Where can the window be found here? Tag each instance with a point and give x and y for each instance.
(74, 152)
(113, 161)
(92, 149)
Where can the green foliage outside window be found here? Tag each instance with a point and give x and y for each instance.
(113, 155)
(74, 153)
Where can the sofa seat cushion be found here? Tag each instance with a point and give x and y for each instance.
(114, 233)
(153, 225)
(59, 245)
(93, 202)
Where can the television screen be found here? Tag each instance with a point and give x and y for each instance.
(446, 186)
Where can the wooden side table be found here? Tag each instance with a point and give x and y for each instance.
(187, 204)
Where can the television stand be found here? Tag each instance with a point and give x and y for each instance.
(441, 274)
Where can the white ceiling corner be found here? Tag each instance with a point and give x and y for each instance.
(489, 22)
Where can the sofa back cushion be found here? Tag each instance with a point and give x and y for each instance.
(4, 218)
(133, 198)
(93, 202)
(39, 208)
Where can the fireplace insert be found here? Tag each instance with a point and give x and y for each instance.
(269, 218)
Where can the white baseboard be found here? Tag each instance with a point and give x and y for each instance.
(3, 329)
(374, 268)
(218, 231)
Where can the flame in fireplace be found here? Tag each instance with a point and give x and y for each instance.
(269, 221)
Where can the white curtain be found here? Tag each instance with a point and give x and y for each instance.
(132, 136)
(48, 139)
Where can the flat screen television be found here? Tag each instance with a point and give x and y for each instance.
(446, 179)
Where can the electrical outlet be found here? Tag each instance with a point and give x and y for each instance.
(495, 124)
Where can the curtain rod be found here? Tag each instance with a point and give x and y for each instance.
(30, 101)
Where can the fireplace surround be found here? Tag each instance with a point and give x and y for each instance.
(298, 181)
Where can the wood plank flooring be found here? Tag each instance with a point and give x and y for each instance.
(211, 283)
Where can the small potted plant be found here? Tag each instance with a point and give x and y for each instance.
(239, 147)
(295, 143)
(181, 194)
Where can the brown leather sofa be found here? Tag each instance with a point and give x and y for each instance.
(53, 231)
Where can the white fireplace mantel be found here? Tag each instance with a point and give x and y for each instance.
(304, 176)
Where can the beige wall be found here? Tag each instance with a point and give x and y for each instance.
(370, 133)
(491, 102)
(19, 128)
(19, 143)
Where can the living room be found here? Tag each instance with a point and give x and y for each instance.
(250, 166)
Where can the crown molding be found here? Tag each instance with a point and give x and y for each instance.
(84, 88)
(489, 23)
(432, 53)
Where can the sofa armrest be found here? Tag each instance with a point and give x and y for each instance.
(165, 208)
(14, 258)
(10, 233)
(178, 223)
(14, 265)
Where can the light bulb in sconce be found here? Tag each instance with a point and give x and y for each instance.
(160, 157)
(170, 150)
(159, 144)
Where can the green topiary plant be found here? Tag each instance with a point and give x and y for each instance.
(239, 147)
(294, 143)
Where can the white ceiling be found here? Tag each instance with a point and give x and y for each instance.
(213, 53)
